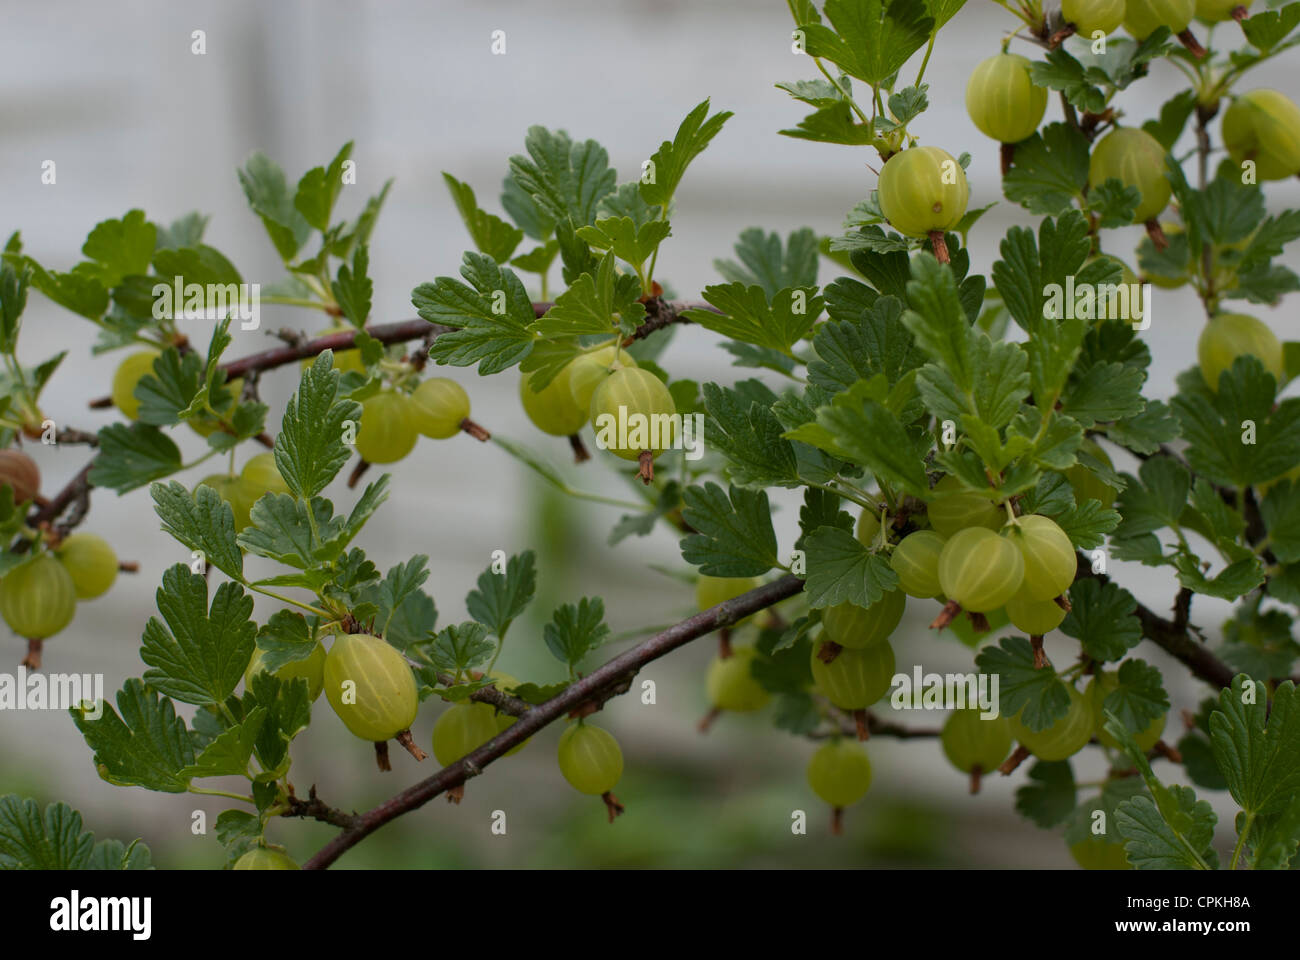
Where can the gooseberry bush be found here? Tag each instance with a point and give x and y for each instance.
(980, 453)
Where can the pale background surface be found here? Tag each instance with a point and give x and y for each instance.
(112, 93)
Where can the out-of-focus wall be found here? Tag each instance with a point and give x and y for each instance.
(113, 94)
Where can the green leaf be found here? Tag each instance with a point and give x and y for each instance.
(319, 189)
(576, 630)
(1050, 796)
(625, 239)
(764, 263)
(937, 320)
(288, 712)
(167, 392)
(460, 647)
(310, 451)
(871, 39)
(1173, 119)
(354, 289)
(1156, 500)
(502, 597)
(229, 754)
(859, 428)
(53, 839)
(1102, 619)
(1050, 170)
(842, 570)
(590, 303)
(282, 530)
(1036, 696)
(120, 248)
(1280, 511)
(1139, 696)
(1064, 73)
(1268, 28)
(147, 746)
(750, 437)
(734, 535)
(285, 638)
(202, 521)
(1108, 391)
(186, 231)
(81, 293)
(493, 313)
(199, 264)
(131, 456)
(1220, 447)
(832, 124)
(1087, 524)
(1258, 749)
(199, 655)
(567, 180)
(491, 235)
(268, 194)
(672, 158)
(1274, 840)
(858, 349)
(749, 315)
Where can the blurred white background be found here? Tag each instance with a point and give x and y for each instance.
(113, 94)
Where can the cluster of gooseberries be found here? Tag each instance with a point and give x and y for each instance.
(38, 598)
(603, 386)
(393, 419)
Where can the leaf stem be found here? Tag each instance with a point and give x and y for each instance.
(1241, 840)
(220, 793)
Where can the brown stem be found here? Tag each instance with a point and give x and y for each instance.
(940, 246)
(946, 616)
(978, 621)
(1168, 752)
(1188, 40)
(976, 772)
(706, 721)
(863, 724)
(128, 566)
(357, 473)
(1008, 157)
(837, 821)
(1157, 234)
(381, 756)
(828, 651)
(456, 794)
(1240, 13)
(646, 467)
(100, 403)
(724, 643)
(1062, 601)
(1060, 36)
(314, 809)
(580, 453)
(474, 430)
(612, 805)
(408, 742)
(594, 684)
(1040, 658)
(33, 659)
(1018, 756)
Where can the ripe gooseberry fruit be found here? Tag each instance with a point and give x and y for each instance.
(587, 370)
(923, 192)
(632, 412)
(344, 360)
(38, 599)
(1003, 101)
(506, 684)
(552, 409)
(1098, 853)
(916, 561)
(91, 563)
(1035, 617)
(592, 762)
(955, 508)
(1142, 17)
(261, 476)
(1050, 562)
(264, 858)
(461, 729)
(130, 372)
(310, 668)
(234, 492)
(1136, 159)
(370, 686)
(1101, 686)
(840, 774)
(1216, 11)
(1264, 126)
(856, 627)
(856, 678)
(1231, 335)
(387, 431)
(867, 529)
(1066, 737)
(439, 406)
(980, 570)
(1091, 16)
(974, 744)
(19, 471)
(730, 683)
(1086, 484)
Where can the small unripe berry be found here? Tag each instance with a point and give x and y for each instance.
(1136, 159)
(1091, 16)
(731, 685)
(916, 561)
(1142, 17)
(91, 563)
(587, 370)
(1264, 126)
(38, 598)
(438, 407)
(387, 431)
(980, 570)
(311, 668)
(130, 372)
(840, 772)
(852, 626)
(264, 858)
(370, 686)
(953, 509)
(1231, 335)
(922, 190)
(1003, 101)
(552, 409)
(1066, 737)
(1216, 11)
(590, 758)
